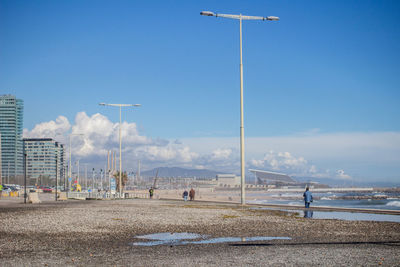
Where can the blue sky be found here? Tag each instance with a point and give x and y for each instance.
(326, 68)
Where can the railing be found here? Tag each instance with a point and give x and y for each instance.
(104, 195)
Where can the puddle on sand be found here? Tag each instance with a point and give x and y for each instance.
(166, 238)
(192, 238)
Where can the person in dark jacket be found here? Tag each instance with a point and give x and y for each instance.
(191, 194)
(307, 198)
(151, 192)
(185, 195)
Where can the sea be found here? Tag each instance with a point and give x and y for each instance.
(363, 200)
(358, 200)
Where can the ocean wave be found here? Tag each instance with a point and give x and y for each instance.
(325, 198)
(294, 203)
(290, 195)
(256, 201)
(393, 203)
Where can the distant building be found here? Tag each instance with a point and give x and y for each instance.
(267, 177)
(230, 180)
(45, 159)
(11, 125)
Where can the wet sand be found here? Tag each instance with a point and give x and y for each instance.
(100, 233)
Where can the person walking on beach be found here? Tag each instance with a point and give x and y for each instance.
(151, 192)
(307, 198)
(185, 195)
(191, 194)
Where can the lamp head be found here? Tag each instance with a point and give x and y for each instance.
(102, 104)
(272, 18)
(207, 13)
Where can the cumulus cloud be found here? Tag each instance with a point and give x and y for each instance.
(49, 129)
(341, 175)
(295, 166)
(93, 136)
(171, 153)
(283, 161)
(222, 154)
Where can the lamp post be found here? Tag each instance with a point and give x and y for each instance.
(24, 176)
(240, 17)
(56, 174)
(70, 164)
(120, 141)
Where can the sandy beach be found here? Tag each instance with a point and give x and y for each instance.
(102, 233)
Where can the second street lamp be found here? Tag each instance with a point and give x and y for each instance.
(120, 142)
(240, 17)
(70, 166)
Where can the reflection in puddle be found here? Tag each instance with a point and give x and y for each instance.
(238, 239)
(170, 236)
(339, 215)
(192, 238)
(354, 216)
(308, 213)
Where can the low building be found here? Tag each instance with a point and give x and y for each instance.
(229, 180)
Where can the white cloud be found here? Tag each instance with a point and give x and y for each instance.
(341, 175)
(169, 153)
(363, 156)
(49, 129)
(101, 135)
(311, 154)
(287, 163)
(221, 154)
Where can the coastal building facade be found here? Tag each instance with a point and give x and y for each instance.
(11, 125)
(230, 180)
(45, 161)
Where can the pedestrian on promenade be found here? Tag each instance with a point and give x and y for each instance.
(307, 198)
(185, 195)
(151, 192)
(1, 189)
(191, 194)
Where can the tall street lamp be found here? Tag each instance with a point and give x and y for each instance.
(240, 17)
(120, 141)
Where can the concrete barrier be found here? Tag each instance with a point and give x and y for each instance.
(62, 196)
(33, 198)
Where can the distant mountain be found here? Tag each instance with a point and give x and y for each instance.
(180, 172)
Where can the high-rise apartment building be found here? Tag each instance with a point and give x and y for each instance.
(45, 161)
(11, 124)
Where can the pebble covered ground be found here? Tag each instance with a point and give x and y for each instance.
(101, 233)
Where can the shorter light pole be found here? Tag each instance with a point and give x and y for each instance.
(70, 154)
(93, 180)
(56, 174)
(120, 140)
(8, 173)
(24, 177)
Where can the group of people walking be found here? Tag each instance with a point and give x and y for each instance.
(190, 194)
(185, 194)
